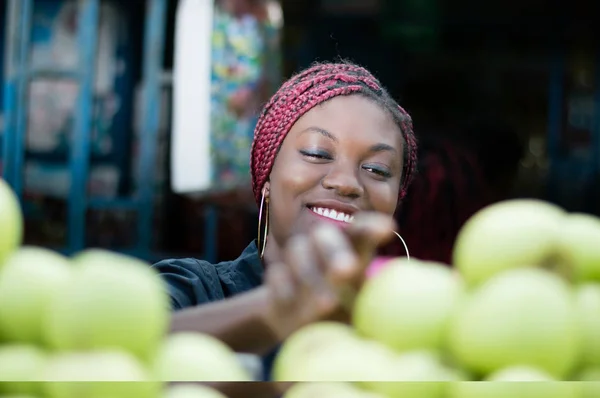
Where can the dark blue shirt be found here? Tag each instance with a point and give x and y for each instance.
(193, 282)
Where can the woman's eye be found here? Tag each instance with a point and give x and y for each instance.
(321, 155)
(380, 171)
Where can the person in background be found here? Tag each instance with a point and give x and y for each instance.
(238, 75)
(332, 156)
(457, 176)
(247, 70)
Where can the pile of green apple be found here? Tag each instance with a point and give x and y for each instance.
(94, 326)
(520, 305)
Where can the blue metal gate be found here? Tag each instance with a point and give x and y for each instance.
(18, 74)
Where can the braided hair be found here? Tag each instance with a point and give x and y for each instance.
(308, 89)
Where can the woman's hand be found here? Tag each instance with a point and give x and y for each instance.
(321, 272)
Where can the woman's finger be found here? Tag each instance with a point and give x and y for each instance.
(335, 250)
(368, 232)
(302, 261)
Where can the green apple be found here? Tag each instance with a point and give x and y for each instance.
(309, 339)
(194, 357)
(328, 390)
(112, 302)
(19, 365)
(11, 221)
(192, 391)
(589, 374)
(516, 389)
(347, 360)
(31, 278)
(590, 386)
(523, 317)
(578, 246)
(590, 389)
(520, 373)
(305, 341)
(417, 374)
(17, 396)
(510, 234)
(408, 305)
(97, 374)
(588, 313)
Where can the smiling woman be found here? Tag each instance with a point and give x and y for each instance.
(332, 155)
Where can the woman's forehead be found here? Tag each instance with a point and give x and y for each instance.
(353, 115)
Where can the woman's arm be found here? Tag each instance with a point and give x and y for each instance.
(240, 322)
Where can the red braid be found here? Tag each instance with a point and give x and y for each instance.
(308, 89)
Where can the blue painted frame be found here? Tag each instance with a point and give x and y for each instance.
(154, 44)
(16, 84)
(88, 16)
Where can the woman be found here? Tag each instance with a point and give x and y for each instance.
(332, 154)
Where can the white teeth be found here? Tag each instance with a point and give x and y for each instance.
(333, 214)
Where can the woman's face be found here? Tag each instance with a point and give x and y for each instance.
(342, 157)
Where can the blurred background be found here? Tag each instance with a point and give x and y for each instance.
(504, 97)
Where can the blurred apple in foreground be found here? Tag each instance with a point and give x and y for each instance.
(113, 301)
(418, 374)
(31, 278)
(192, 391)
(514, 389)
(520, 373)
(305, 342)
(98, 374)
(181, 359)
(328, 390)
(522, 317)
(589, 374)
(19, 366)
(11, 222)
(408, 305)
(579, 237)
(506, 235)
(588, 313)
(341, 361)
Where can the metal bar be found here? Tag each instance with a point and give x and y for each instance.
(211, 225)
(80, 150)
(10, 89)
(154, 42)
(22, 96)
(555, 118)
(596, 118)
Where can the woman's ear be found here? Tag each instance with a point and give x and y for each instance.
(266, 190)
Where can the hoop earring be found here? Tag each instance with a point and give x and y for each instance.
(263, 200)
(404, 243)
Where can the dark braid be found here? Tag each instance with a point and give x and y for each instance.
(308, 89)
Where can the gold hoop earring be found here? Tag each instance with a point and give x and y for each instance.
(263, 201)
(403, 243)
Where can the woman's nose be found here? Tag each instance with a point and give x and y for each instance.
(344, 180)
